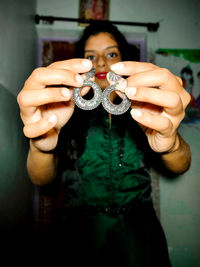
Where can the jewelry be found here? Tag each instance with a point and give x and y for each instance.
(108, 105)
(95, 101)
(101, 97)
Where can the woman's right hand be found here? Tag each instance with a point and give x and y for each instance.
(46, 102)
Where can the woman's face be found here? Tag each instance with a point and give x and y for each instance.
(103, 51)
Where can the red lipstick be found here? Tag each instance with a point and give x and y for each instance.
(101, 75)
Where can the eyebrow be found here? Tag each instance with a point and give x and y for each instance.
(109, 47)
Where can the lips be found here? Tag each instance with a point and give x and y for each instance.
(101, 75)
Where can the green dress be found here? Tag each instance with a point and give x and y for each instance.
(111, 169)
(108, 217)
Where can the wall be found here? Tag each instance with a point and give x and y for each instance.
(179, 29)
(179, 19)
(17, 59)
(18, 42)
(180, 211)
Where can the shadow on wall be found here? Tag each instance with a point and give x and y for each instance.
(15, 186)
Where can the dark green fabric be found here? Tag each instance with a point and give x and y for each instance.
(132, 240)
(111, 168)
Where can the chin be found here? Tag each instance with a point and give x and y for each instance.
(102, 83)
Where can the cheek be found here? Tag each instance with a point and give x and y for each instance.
(114, 60)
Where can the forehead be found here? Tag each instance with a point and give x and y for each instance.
(100, 41)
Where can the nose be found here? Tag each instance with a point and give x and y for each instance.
(101, 62)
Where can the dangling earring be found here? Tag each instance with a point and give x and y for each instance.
(108, 105)
(95, 101)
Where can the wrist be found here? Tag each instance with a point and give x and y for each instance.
(41, 165)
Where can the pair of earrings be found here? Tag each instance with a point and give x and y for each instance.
(101, 97)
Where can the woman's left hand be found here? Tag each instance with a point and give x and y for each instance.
(158, 102)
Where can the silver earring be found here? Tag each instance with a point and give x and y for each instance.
(95, 101)
(108, 105)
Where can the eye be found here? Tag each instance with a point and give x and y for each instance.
(91, 57)
(112, 54)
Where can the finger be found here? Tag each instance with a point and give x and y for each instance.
(29, 100)
(160, 77)
(169, 100)
(41, 127)
(152, 120)
(131, 67)
(77, 65)
(155, 76)
(34, 98)
(119, 93)
(42, 77)
(86, 89)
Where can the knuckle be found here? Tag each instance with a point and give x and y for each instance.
(164, 127)
(21, 99)
(50, 95)
(41, 126)
(53, 65)
(45, 95)
(26, 132)
(36, 74)
(59, 64)
(35, 129)
(151, 65)
(179, 80)
(166, 74)
(175, 99)
(187, 98)
(183, 115)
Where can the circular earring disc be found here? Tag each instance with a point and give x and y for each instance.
(113, 108)
(88, 104)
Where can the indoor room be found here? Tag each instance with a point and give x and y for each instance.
(36, 35)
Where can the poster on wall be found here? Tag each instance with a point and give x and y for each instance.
(184, 63)
(94, 10)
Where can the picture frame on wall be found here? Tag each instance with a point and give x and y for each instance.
(93, 10)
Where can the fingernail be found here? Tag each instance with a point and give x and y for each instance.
(122, 85)
(52, 118)
(117, 66)
(136, 112)
(86, 63)
(65, 93)
(131, 91)
(78, 78)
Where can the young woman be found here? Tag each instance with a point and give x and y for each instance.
(103, 160)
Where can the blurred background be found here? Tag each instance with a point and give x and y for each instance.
(25, 45)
